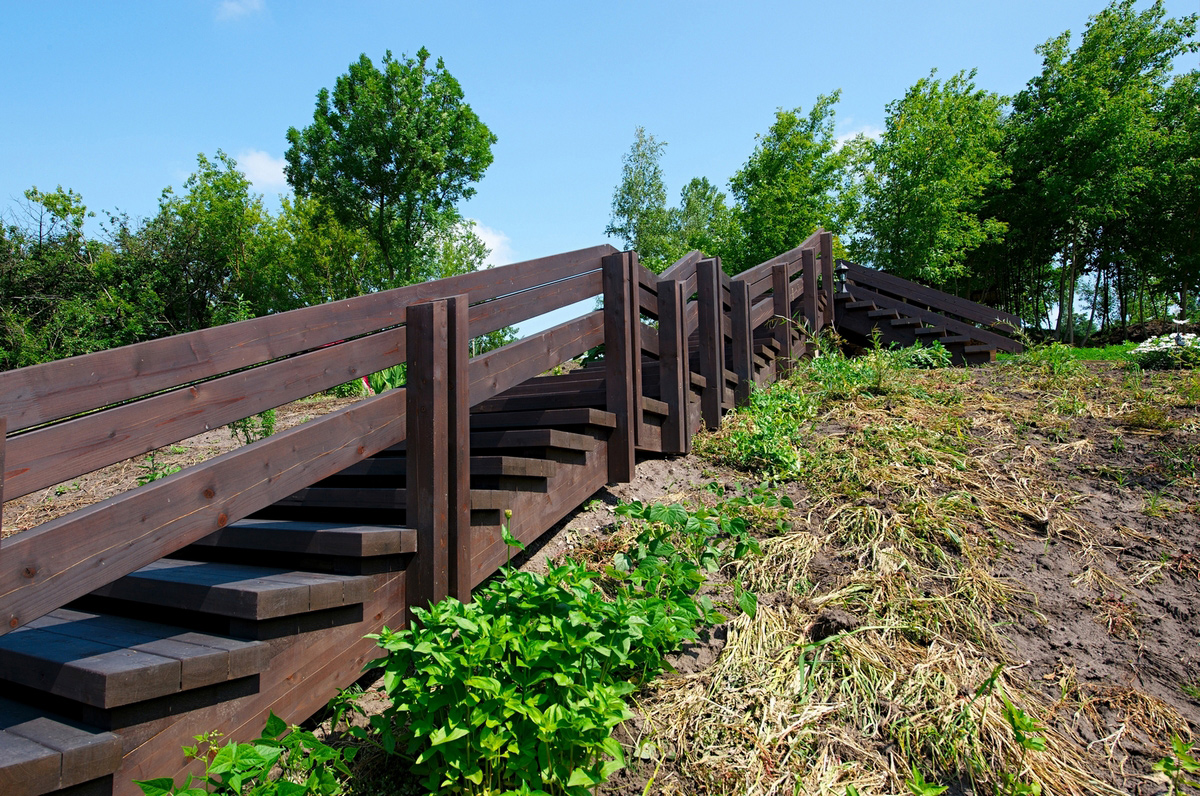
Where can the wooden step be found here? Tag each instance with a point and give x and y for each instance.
(580, 416)
(532, 438)
(106, 661)
(41, 753)
(977, 349)
(901, 323)
(883, 314)
(236, 592)
(387, 499)
(955, 338)
(314, 538)
(389, 466)
(926, 331)
(860, 305)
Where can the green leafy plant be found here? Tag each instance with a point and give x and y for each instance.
(388, 378)
(283, 761)
(253, 428)
(1182, 768)
(351, 389)
(919, 787)
(152, 470)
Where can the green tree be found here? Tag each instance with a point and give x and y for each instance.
(702, 221)
(791, 184)
(928, 173)
(391, 151)
(1081, 144)
(639, 205)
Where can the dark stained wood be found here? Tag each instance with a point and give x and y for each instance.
(618, 363)
(50, 455)
(314, 538)
(427, 479)
(636, 330)
(54, 390)
(683, 268)
(516, 307)
(81, 753)
(673, 364)
(582, 416)
(825, 247)
(812, 317)
(936, 299)
(458, 441)
(742, 336)
(499, 370)
(582, 399)
(27, 767)
(913, 313)
(712, 348)
(782, 316)
(64, 559)
(759, 277)
(3, 471)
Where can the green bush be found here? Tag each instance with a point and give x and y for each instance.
(388, 378)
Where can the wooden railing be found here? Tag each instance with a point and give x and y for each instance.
(62, 419)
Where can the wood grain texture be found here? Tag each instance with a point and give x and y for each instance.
(673, 365)
(742, 358)
(618, 364)
(712, 348)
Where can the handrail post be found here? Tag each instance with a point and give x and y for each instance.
(427, 479)
(712, 348)
(458, 443)
(638, 418)
(618, 357)
(811, 316)
(674, 381)
(827, 287)
(3, 431)
(781, 292)
(743, 354)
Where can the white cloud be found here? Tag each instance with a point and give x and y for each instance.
(236, 9)
(869, 130)
(263, 170)
(498, 242)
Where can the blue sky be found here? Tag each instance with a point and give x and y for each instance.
(114, 100)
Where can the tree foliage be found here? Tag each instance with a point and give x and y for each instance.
(639, 206)
(390, 151)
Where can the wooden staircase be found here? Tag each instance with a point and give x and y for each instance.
(246, 584)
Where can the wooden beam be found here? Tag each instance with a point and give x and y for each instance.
(826, 247)
(743, 357)
(811, 317)
(458, 443)
(636, 274)
(712, 348)
(781, 290)
(618, 361)
(427, 479)
(673, 365)
(3, 431)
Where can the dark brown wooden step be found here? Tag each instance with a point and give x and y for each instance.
(387, 466)
(106, 661)
(385, 499)
(860, 305)
(314, 538)
(927, 331)
(580, 416)
(532, 438)
(955, 338)
(41, 753)
(883, 314)
(978, 349)
(236, 591)
(901, 323)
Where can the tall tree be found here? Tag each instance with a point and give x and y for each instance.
(703, 221)
(391, 151)
(930, 169)
(1081, 145)
(791, 183)
(639, 205)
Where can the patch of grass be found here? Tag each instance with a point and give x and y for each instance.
(1147, 416)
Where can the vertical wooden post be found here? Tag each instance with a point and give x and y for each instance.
(743, 353)
(811, 316)
(617, 366)
(3, 431)
(427, 479)
(712, 347)
(674, 379)
(638, 418)
(781, 290)
(827, 288)
(458, 444)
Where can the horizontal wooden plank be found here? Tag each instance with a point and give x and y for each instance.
(83, 753)
(27, 768)
(516, 307)
(388, 466)
(991, 338)
(314, 538)
(581, 416)
(683, 268)
(57, 453)
(582, 399)
(54, 390)
(48, 566)
(935, 299)
(497, 371)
